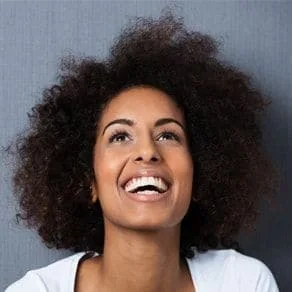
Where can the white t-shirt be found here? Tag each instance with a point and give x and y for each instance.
(213, 271)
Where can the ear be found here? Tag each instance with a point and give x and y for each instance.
(94, 195)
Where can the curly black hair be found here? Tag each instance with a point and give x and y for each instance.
(222, 109)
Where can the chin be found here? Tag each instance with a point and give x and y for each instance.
(145, 224)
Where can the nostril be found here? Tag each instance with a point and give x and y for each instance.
(153, 158)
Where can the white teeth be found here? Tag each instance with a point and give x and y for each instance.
(144, 181)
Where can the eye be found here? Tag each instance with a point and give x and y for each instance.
(118, 136)
(168, 135)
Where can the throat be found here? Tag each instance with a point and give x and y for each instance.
(146, 273)
(92, 276)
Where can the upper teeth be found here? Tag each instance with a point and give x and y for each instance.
(134, 183)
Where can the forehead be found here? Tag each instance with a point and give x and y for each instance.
(142, 103)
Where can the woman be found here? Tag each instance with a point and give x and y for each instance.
(146, 165)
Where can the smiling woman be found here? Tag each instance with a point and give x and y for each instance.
(152, 162)
(152, 144)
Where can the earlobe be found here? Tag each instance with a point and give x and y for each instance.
(94, 196)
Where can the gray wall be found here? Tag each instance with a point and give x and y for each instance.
(35, 34)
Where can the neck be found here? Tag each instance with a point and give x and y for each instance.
(141, 260)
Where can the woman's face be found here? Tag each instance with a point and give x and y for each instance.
(142, 164)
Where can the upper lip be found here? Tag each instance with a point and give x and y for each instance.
(146, 173)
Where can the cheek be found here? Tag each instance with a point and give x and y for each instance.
(107, 167)
(182, 165)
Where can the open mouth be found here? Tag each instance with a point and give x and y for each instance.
(146, 186)
(148, 189)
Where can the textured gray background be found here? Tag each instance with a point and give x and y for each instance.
(256, 36)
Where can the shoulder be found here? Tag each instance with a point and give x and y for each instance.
(229, 268)
(29, 282)
(48, 278)
(255, 271)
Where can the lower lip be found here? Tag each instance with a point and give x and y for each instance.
(147, 198)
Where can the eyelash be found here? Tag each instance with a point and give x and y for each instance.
(118, 133)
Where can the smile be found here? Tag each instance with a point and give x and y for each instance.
(147, 196)
(146, 185)
(146, 189)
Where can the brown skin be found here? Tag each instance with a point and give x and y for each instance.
(141, 248)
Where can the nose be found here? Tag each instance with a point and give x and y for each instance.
(146, 151)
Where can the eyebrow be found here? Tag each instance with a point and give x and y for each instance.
(158, 123)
